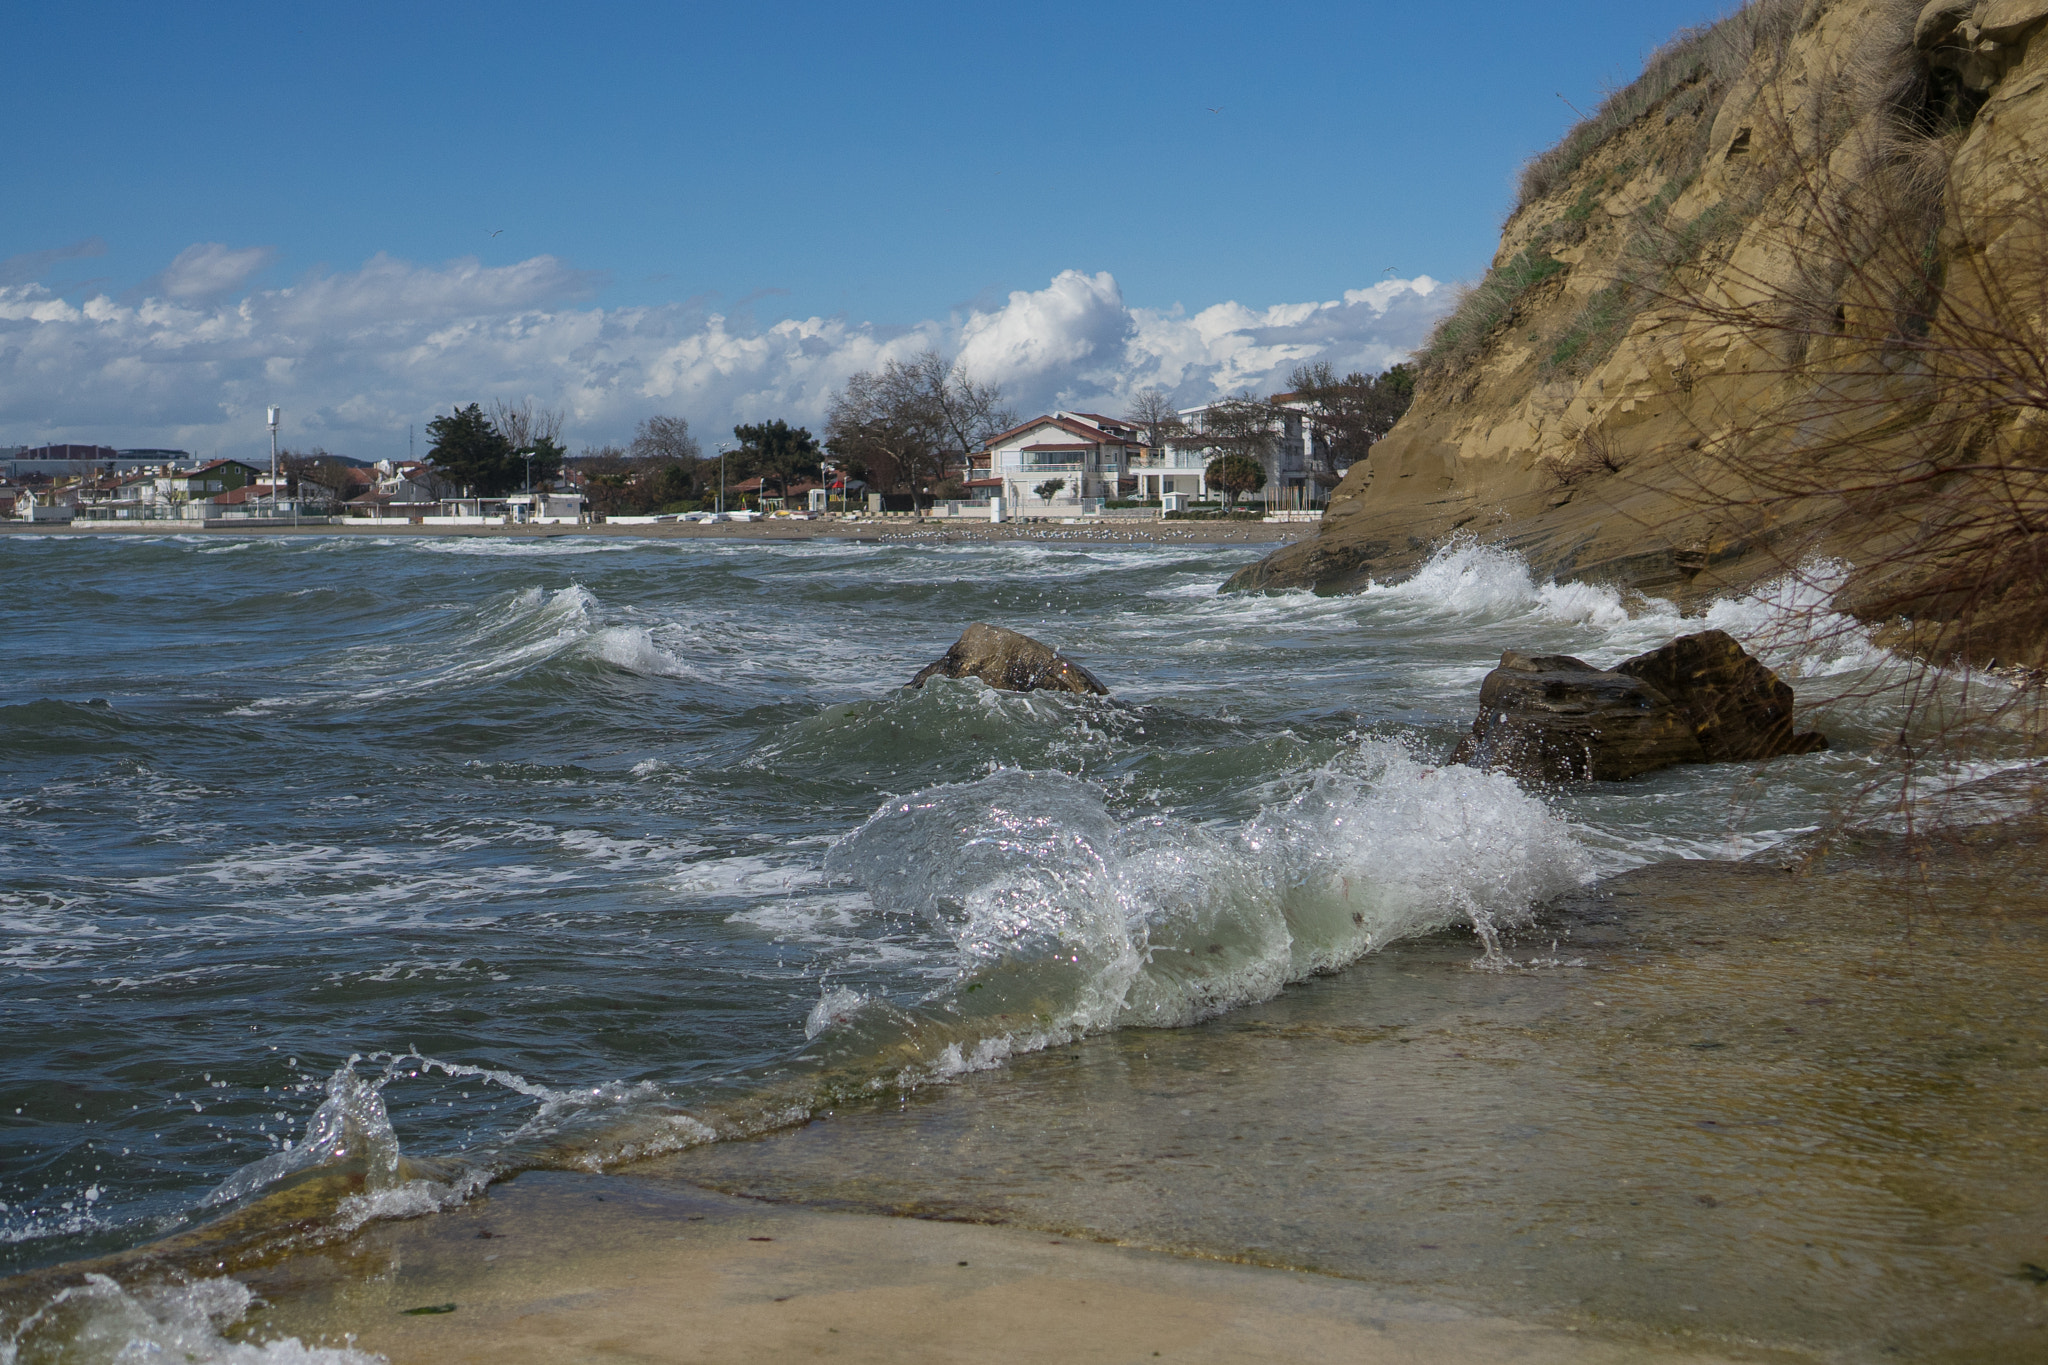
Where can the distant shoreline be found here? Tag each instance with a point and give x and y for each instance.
(864, 530)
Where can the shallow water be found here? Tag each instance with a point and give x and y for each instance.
(1759, 1109)
(596, 848)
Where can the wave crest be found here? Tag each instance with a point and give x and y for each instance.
(1065, 920)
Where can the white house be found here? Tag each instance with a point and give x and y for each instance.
(1090, 455)
(547, 509)
(47, 503)
(1297, 461)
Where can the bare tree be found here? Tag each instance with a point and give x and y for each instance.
(1241, 425)
(525, 426)
(898, 422)
(1346, 416)
(967, 412)
(1153, 413)
(666, 438)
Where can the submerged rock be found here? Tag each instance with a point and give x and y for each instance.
(1011, 662)
(1700, 699)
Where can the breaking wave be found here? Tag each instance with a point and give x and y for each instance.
(1060, 914)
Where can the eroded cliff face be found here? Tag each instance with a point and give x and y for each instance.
(1706, 294)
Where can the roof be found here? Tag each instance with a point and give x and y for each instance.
(1094, 435)
(216, 464)
(1117, 422)
(249, 492)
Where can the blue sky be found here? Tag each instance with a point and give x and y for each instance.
(678, 176)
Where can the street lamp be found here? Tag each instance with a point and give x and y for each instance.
(275, 413)
(723, 446)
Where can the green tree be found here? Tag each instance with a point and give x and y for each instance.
(1233, 475)
(548, 455)
(1050, 489)
(470, 451)
(776, 450)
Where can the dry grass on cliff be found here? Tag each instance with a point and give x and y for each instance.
(1710, 57)
(1688, 77)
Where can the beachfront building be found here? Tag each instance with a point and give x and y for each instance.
(546, 509)
(47, 502)
(204, 481)
(1089, 455)
(404, 489)
(1297, 458)
(1172, 471)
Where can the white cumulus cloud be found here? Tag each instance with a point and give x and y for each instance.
(355, 356)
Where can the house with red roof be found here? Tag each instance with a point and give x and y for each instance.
(1090, 456)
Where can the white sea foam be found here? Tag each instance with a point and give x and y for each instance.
(548, 547)
(1789, 621)
(1082, 922)
(101, 1323)
(634, 649)
(1469, 579)
(744, 875)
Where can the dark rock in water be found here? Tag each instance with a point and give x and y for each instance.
(1555, 718)
(1012, 662)
(1699, 699)
(1739, 709)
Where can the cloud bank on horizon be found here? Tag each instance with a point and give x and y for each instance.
(354, 357)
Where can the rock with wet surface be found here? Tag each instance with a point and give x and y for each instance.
(1011, 662)
(1699, 699)
(1739, 709)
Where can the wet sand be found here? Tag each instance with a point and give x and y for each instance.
(897, 530)
(580, 1268)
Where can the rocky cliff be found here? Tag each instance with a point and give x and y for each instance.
(1783, 297)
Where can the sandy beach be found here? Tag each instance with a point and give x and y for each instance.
(580, 1268)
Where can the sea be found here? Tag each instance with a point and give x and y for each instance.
(465, 856)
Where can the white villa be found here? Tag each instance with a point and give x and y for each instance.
(1091, 455)
(1297, 456)
(1096, 457)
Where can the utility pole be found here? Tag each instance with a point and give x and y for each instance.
(275, 412)
(722, 445)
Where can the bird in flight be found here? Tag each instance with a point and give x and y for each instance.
(1213, 108)
(496, 231)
